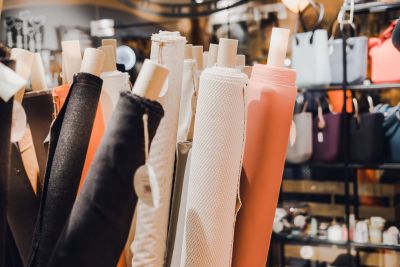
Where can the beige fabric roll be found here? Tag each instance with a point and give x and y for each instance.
(215, 169)
(149, 245)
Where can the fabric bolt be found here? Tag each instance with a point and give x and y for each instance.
(69, 141)
(189, 86)
(101, 216)
(149, 245)
(23, 205)
(215, 168)
(178, 204)
(5, 150)
(272, 95)
(39, 108)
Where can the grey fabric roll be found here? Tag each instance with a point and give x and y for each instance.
(23, 205)
(69, 140)
(98, 228)
(5, 133)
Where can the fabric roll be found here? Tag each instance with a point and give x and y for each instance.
(149, 245)
(189, 86)
(5, 135)
(69, 140)
(178, 204)
(215, 168)
(101, 216)
(23, 205)
(39, 108)
(272, 94)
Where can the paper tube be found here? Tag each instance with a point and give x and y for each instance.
(212, 55)
(215, 168)
(112, 42)
(93, 60)
(152, 222)
(38, 78)
(240, 61)
(10, 82)
(23, 68)
(109, 58)
(278, 47)
(150, 80)
(72, 59)
(205, 57)
(227, 53)
(188, 51)
(198, 56)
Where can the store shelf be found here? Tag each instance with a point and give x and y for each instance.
(316, 165)
(359, 246)
(361, 87)
(383, 166)
(378, 166)
(375, 7)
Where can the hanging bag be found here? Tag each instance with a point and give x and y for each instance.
(391, 128)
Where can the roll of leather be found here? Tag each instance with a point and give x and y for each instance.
(149, 245)
(272, 95)
(178, 204)
(101, 216)
(218, 144)
(39, 108)
(6, 109)
(23, 205)
(69, 141)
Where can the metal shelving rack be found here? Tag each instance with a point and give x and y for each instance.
(347, 166)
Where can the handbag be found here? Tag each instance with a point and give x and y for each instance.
(366, 135)
(385, 59)
(310, 56)
(356, 55)
(327, 136)
(301, 150)
(391, 128)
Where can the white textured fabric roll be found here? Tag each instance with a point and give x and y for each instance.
(113, 83)
(215, 169)
(189, 84)
(152, 222)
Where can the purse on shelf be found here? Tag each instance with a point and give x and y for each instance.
(391, 129)
(310, 56)
(366, 135)
(301, 150)
(356, 55)
(385, 59)
(327, 136)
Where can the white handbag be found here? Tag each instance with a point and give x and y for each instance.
(301, 150)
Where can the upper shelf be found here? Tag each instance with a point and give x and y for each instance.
(361, 87)
(375, 7)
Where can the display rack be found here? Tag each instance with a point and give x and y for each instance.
(348, 167)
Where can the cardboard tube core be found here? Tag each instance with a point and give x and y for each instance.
(198, 56)
(72, 59)
(240, 60)
(93, 60)
(109, 59)
(38, 77)
(278, 47)
(150, 80)
(227, 50)
(112, 42)
(188, 51)
(212, 55)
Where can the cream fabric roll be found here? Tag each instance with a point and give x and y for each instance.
(149, 245)
(215, 169)
(189, 84)
(114, 82)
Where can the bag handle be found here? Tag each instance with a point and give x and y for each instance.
(386, 34)
(356, 111)
(335, 25)
(319, 8)
(321, 121)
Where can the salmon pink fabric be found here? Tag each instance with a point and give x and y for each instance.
(272, 94)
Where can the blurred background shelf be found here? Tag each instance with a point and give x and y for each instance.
(361, 87)
(375, 7)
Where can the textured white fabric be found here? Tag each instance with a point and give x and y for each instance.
(152, 222)
(113, 83)
(216, 164)
(188, 87)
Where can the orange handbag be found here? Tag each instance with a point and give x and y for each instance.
(385, 59)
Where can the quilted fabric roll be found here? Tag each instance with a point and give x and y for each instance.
(152, 222)
(101, 217)
(189, 85)
(178, 204)
(69, 140)
(272, 94)
(216, 164)
(5, 133)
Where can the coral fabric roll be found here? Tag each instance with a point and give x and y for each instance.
(101, 216)
(215, 167)
(149, 245)
(272, 94)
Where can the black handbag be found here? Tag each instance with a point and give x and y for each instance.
(366, 135)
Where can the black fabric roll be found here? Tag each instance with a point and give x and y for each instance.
(39, 110)
(5, 145)
(13, 258)
(69, 140)
(23, 205)
(98, 227)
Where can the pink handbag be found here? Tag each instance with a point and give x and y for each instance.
(385, 59)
